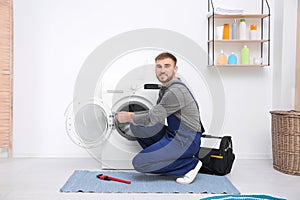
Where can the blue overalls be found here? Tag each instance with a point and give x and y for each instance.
(171, 151)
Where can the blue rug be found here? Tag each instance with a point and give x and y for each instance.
(86, 181)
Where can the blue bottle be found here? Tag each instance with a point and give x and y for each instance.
(232, 59)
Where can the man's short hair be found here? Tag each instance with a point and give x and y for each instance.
(165, 55)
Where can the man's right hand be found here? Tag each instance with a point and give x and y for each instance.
(124, 117)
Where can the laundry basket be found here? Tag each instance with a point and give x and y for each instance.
(286, 141)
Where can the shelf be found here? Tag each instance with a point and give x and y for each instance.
(260, 46)
(238, 41)
(258, 16)
(238, 65)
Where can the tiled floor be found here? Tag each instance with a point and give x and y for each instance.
(41, 178)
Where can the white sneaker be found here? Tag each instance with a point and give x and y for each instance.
(190, 176)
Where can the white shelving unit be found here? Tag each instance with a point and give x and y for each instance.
(263, 42)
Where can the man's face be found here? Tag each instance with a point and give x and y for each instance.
(165, 70)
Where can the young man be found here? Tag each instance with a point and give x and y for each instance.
(170, 132)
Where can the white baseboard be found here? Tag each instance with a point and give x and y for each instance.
(51, 156)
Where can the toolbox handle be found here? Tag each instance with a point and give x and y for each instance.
(210, 136)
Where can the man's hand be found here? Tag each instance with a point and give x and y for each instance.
(124, 117)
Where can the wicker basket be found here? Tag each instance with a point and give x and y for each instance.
(286, 141)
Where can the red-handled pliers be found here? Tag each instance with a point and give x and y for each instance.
(109, 178)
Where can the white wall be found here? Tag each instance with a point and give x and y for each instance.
(284, 54)
(54, 37)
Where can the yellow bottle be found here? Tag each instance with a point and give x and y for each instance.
(222, 59)
(226, 32)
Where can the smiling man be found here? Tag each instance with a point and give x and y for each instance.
(170, 132)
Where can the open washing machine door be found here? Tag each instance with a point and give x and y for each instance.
(89, 124)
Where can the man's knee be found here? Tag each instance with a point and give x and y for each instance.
(139, 164)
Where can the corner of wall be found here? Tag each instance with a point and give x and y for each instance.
(284, 54)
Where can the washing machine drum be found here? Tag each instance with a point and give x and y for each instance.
(124, 128)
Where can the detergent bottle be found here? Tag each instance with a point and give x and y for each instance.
(232, 59)
(243, 29)
(222, 59)
(245, 55)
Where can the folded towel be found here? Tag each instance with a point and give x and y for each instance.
(224, 11)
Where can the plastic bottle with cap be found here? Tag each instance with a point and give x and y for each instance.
(226, 32)
(222, 59)
(234, 32)
(232, 59)
(245, 55)
(243, 29)
(253, 33)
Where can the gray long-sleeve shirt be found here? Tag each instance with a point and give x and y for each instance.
(176, 100)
